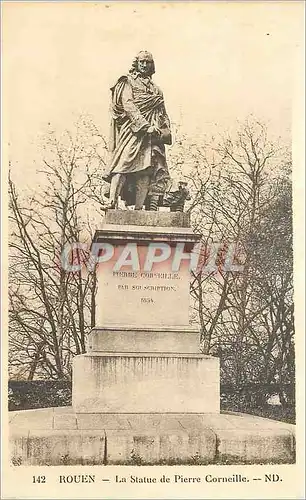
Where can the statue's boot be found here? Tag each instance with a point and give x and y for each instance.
(142, 188)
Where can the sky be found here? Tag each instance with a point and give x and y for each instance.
(216, 62)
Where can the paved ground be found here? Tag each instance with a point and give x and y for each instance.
(55, 436)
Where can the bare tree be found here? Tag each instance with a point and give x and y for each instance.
(51, 310)
(238, 191)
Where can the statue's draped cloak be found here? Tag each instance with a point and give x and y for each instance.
(136, 104)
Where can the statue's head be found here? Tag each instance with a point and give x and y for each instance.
(144, 63)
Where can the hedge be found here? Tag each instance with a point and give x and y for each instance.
(26, 395)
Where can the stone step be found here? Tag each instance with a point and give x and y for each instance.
(59, 436)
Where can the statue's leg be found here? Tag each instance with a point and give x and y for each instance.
(115, 189)
(142, 188)
(147, 203)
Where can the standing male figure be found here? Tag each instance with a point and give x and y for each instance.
(140, 128)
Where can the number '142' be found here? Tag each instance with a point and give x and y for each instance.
(39, 479)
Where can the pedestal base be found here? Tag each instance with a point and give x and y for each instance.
(145, 383)
(58, 436)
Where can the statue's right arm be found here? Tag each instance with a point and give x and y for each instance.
(137, 120)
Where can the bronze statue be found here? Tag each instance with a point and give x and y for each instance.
(140, 128)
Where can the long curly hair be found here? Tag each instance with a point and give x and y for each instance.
(134, 66)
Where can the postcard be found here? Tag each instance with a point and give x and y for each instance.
(152, 250)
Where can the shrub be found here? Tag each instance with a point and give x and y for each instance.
(26, 395)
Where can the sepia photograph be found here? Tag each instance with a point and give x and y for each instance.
(152, 198)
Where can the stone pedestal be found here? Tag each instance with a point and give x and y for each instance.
(143, 356)
(143, 394)
(146, 383)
